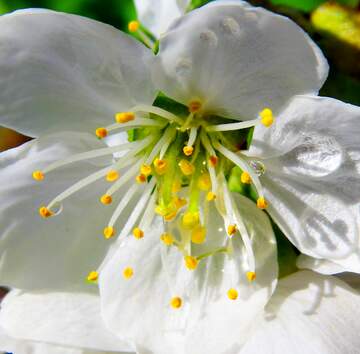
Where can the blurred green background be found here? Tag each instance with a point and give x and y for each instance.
(334, 25)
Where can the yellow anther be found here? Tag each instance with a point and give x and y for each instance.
(231, 230)
(167, 239)
(232, 294)
(186, 167)
(128, 273)
(138, 233)
(190, 219)
(191, 262)
(204, 181)
(109, 232)
(213, 160)
(176, 186)
(188, 150)
(112, 176)
(261, 203)
(101, 132)
(267, 117)
(251, 276)
(141, 179)
(198, 235)
(245, 178)
(45, 212)
(194, 106)
(133, 26)
(38, 175)
(170, 216)
(145, 170)
(93, 276)
(179, 202)
(106, 199)
(176, 302)
(124, 117)
(160, 166)
(210, 196)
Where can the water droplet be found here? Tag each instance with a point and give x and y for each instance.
(230, 25)
(258, 167)
(209, 37)
(183, 67)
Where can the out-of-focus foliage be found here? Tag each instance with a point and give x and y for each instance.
(310, 5)
(10, 139)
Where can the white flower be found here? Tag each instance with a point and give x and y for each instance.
(55, 323)
(232, 67)
(157, 15)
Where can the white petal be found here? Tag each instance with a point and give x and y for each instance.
(238, 60)
(66, 319)
(312, 179)
(308, 313)
(323, 266)
(138, 309)
(62, 72)
(319, 224)
(157, 15)
(60, 251)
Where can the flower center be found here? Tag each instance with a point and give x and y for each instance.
(179, 163)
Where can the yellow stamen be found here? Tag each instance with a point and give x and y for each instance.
(145, 170)
(109, 232)
(170, 216)
(213, 160)
(204, 181)
(106, 199)
(251, 276)
(133, 26)
(261, 203)
(101, 132)
(45, 212)
(112, 176)
(190, 219)
(210, 196)
(167, 239)
(191, 262)
(267, 117)
(160, 166)
(138, 233)
(198, 235)
(124, 117)
(232, 294)
(38, 175)
(194, 106)
(186, 167)
(128, 273)
(179, 202)
(176, 302)
(231, 230)
(245, 178)
(141, 179)
(93, 276)
(176, 186)
(188, 150)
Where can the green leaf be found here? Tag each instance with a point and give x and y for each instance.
(287, 253)
(302, 5)
(194, 4)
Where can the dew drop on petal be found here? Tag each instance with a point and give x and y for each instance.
(209, 37)
(317, 156)
(258, 167)
(183, 67)
(230, 25)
